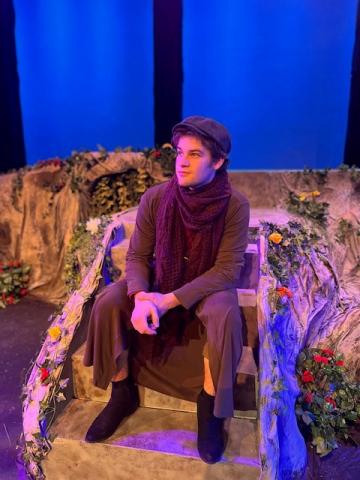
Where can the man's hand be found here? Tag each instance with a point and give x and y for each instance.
(163, 302)
(139, 318)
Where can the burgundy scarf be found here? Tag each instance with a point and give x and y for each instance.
(198, 214)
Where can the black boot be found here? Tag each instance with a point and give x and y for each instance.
(123, 402)
(211, 439)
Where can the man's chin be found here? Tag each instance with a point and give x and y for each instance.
(184, 182)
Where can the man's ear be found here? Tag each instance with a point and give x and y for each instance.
(218, 163)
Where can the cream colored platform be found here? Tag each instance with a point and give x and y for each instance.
(151, 444)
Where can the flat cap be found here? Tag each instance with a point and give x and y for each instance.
(208, 128)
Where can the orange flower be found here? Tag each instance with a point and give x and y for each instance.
(302, 196)
(275, 237)
(284, 292)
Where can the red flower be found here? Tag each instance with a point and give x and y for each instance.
(10, 300)
(284, 292)
(307, 376)
(44, 374)
(1, 270)
(308, 397)
(23, 292)
(328, 351)
(320, 359)
(331, 401)
(340, 363)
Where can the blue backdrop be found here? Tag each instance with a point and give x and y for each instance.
(276, 73)
(86, 69)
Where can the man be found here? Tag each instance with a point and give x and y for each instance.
(197, 226)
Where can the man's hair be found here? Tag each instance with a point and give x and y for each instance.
(215, 150)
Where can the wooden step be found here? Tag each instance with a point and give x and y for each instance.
(150, 444)
(84, 388)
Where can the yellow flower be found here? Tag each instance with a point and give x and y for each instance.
(315, 193)
(275, 237)
(55, 333)
(303, 196)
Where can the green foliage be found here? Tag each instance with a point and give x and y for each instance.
(329, 400)
(82, 250)
(320, 176)
(284, 258)
(354, 175)
(308, 208)
(14, 279)
(17, 186)
(165, 156)
(115, 193)
(345, 230)
(72, 171)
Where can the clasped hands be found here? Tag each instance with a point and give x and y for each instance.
(149, 308)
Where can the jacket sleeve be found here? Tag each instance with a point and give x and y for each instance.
(141, 248)
(225, 273)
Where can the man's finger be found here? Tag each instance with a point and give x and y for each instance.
(154, 317)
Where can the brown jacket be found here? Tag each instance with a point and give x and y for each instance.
(223, 275)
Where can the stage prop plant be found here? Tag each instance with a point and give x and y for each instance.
(72, 170)
(84, 245)
(14, 279)
(306, 205)
(329, 400)
(44, 386)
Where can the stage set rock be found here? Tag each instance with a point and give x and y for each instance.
(300, 287)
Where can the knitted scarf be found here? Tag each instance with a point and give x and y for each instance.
(197, 214)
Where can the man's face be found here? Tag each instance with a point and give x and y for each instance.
(194, 165)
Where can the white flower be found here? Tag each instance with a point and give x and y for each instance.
(39, 393)
(92, 225)
(31, 422)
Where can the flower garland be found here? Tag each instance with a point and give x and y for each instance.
(14, 280)
(329, 401)
(82, 250)
(287, 245)
(43, 389)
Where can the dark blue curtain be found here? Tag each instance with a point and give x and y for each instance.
(352, 147)
(12, 152)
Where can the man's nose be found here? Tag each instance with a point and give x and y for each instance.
(184, 160)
